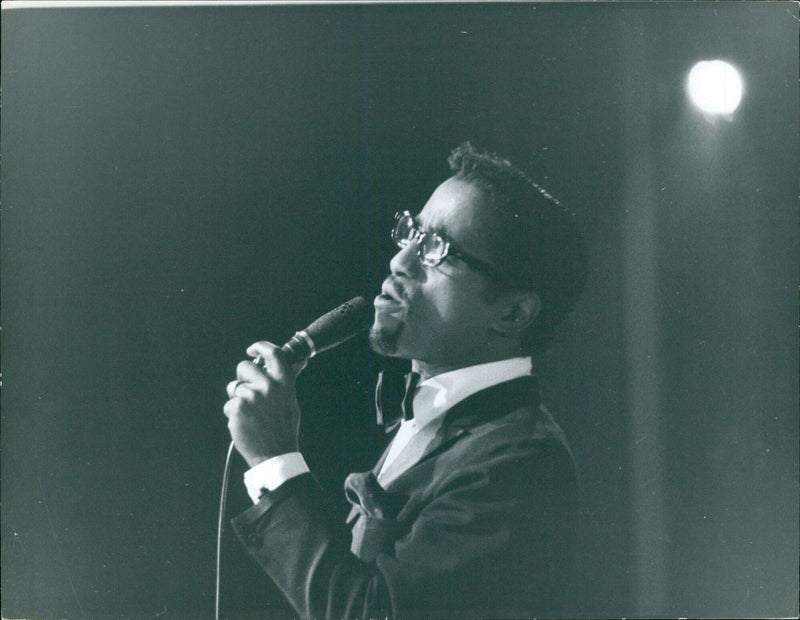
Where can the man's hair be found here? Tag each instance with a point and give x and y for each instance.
(536, 242)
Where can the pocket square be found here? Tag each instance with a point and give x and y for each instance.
(375, 528)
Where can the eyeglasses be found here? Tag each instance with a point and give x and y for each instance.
(432, 248)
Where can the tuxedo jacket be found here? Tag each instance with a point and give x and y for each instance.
(482, 526)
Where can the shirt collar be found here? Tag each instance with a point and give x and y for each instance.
(436, 395)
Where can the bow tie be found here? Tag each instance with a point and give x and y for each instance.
(394, 395)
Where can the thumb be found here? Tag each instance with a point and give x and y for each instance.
(275, 361)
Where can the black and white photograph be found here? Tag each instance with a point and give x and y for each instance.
(399, 309)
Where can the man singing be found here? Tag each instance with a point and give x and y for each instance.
(470, 512)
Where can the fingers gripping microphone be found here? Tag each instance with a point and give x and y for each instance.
(329, 331)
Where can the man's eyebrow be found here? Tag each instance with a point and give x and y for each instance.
(437, 229)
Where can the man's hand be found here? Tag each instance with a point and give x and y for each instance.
(263, 414)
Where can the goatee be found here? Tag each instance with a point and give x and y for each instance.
(383, 342)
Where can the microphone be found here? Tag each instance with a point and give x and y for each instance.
(329, 331)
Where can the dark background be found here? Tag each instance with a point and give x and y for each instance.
(180, 182)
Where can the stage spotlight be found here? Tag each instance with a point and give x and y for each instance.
(715, 87)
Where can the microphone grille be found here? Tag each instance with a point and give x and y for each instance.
(340, 324)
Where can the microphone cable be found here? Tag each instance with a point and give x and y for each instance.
(223, 499)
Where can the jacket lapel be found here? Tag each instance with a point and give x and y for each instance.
(483, 406)
(494, 402)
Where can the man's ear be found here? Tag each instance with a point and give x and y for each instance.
(518, 311)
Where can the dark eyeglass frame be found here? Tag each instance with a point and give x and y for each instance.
(450, 249)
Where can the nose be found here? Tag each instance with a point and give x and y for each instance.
(406, 262)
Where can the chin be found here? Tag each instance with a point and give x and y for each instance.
(384, 342)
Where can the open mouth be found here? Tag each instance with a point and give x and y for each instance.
(389, 300)
(383, 300)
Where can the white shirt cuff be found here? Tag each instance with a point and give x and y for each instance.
(272, 473)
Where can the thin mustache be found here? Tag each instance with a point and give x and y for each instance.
(396, 288)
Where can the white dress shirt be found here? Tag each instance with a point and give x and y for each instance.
(433, 398)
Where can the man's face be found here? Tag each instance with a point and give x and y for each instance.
(439, 315)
